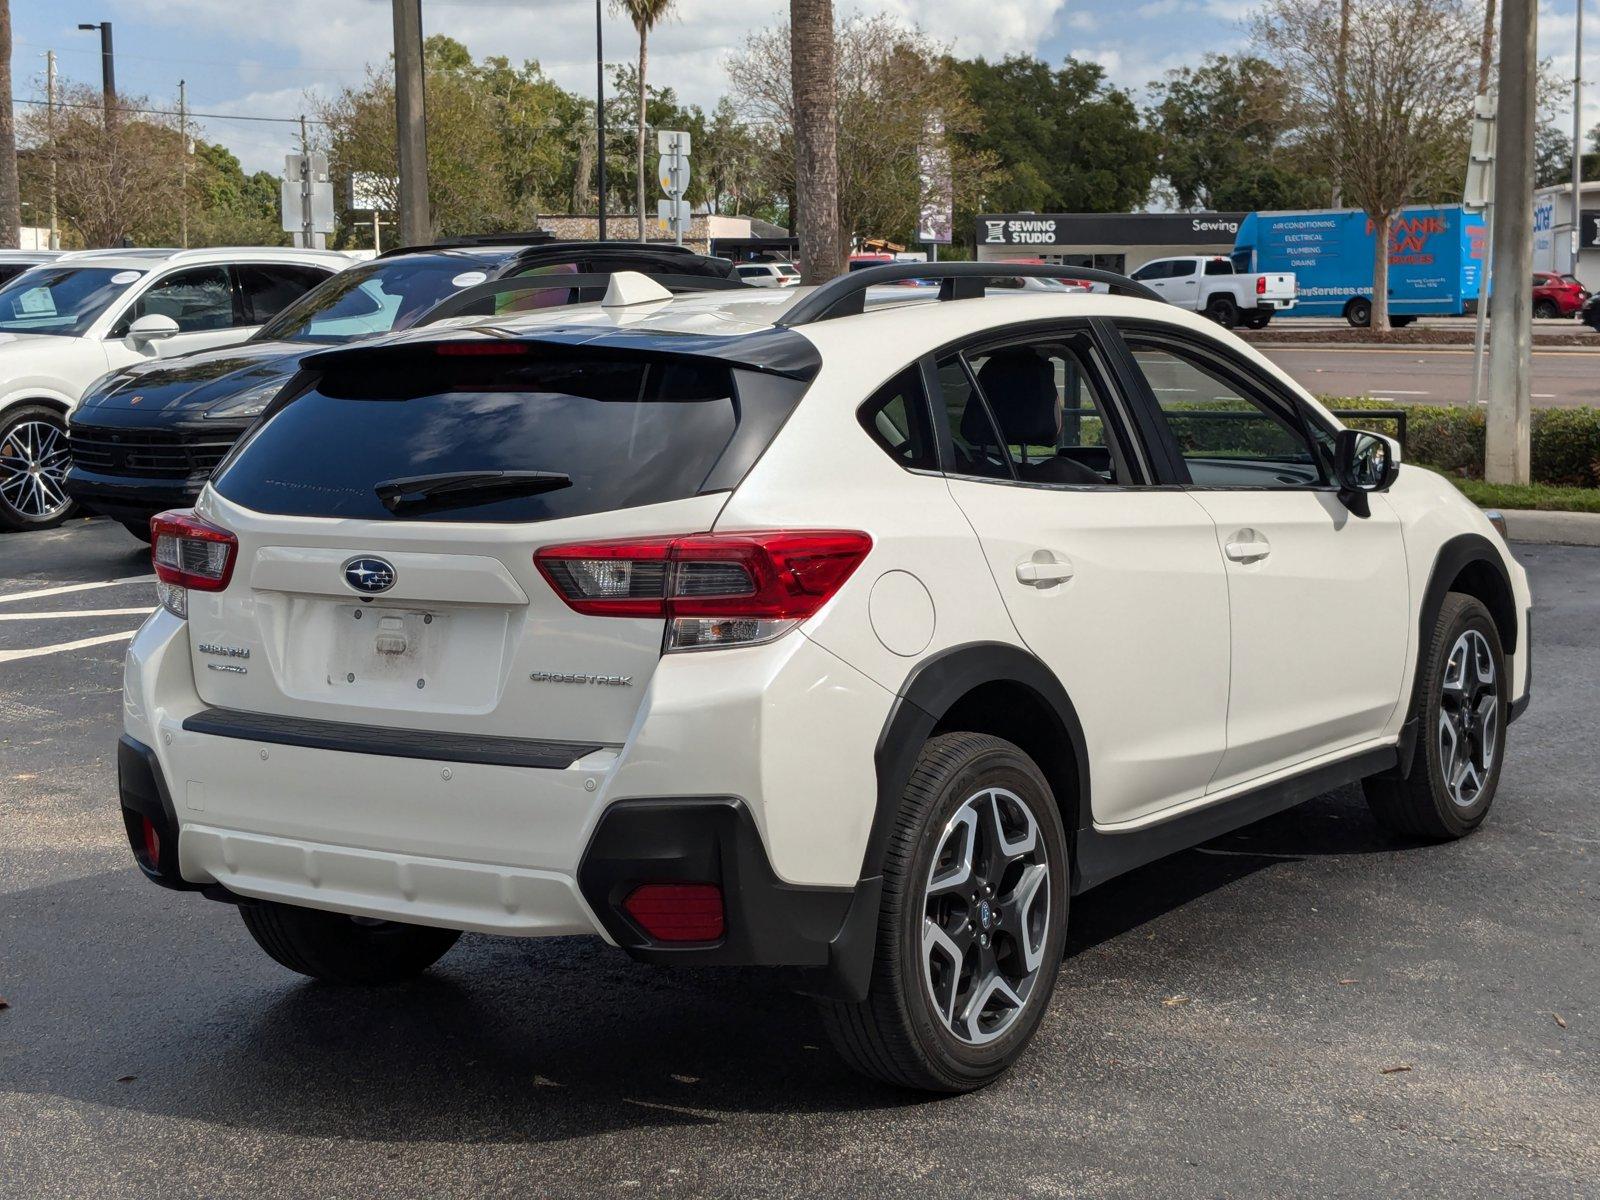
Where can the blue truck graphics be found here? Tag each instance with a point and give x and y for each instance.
(1435, 258)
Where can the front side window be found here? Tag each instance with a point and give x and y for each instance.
(1151, 270)
(199, 300)
(63, 301)
(897, 419)
(1229, 434)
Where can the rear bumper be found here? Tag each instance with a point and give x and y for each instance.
(716, 785)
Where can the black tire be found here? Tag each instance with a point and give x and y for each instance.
(1546, 310)
(340, 949)
(897, 1035)
(33, 461)
(1258, 320)
(1424, 804)
(1223, 311)
(1359, 313)
(1400, 322)
(139, 529)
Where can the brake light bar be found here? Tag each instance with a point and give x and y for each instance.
(189, 555)
(478, 349)
(714, 589)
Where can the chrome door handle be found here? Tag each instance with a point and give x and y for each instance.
(1043, 570)
(1247, 546)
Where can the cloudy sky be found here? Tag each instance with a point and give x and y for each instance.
(249, 57)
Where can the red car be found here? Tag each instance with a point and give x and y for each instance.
(1557, 295)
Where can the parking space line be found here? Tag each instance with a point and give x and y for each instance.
(87, 612)
(83, 643)
(40, 593)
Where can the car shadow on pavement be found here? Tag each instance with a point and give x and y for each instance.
(504, 1041)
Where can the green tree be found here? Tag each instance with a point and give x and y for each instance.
(1069, 140)
(1225, 133)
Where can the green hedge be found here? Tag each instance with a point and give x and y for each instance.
(1565, 449)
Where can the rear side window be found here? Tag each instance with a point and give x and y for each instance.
(620, 432)
(266, 290)
(897, 419)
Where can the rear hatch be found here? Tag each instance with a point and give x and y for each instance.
(383, 578)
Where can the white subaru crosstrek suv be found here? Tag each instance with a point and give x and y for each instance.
(67, 322)
(781, 628)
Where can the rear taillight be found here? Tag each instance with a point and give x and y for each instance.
(1261, 285)
(677, 912)
(189, 555)
(714, 589)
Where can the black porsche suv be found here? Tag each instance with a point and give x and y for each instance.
(146, 439)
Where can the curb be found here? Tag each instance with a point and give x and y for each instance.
(1407, 347)
(1552, 528)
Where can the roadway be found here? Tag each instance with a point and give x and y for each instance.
(1562, 377)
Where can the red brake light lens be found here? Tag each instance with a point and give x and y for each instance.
(677, 912)
(189, 555)
(1261, 285)
(718, 589)
(478, 349)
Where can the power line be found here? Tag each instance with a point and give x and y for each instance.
(172, 112)
(206, 62)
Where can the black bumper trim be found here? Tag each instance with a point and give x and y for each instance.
(713, 839)
(391, 743)
(144, 795)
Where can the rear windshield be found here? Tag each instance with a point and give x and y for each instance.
(624, 431)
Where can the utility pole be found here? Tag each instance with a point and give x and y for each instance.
(10, 193)
(600, 113)
(183, 163)
(108, 68)
(411, 124)
(308, 227)
(50, 129)
(1511, 302)
(1577, 139)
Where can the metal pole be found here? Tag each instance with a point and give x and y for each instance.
(1483, 303)
(377, 238)
(108, 70)
(1510, 354)
(411, 123)
(308, 234)
(1577, 140)
(50, 126)
(600, 113)
(183, 169)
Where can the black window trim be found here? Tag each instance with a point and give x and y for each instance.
(1121, 427)
(1241, 374)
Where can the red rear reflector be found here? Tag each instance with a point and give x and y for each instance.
(152, 842)
(677, 912)
(475, 349)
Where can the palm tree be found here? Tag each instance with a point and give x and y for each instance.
(645, 14)
(816, 137)
(10, 214)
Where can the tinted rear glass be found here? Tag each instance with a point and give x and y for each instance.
(627, 431)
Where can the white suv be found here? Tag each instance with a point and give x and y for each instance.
(786, 629)
(66, 322)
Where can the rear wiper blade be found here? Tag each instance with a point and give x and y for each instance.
(459, 489)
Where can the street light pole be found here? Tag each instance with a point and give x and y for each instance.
(108, 67)
(1577, 139)
(1511, 302)
(411, 132)
(600, 113)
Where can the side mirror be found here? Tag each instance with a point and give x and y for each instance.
(1363, 463)
(152, 327)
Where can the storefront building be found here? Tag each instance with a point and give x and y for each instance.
(1119, 242)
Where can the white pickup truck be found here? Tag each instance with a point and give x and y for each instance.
(1209, 284)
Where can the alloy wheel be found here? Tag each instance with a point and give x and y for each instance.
(1469, 718)
(33, 469)
(986, 916)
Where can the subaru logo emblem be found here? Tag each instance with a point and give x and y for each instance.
(369, 575)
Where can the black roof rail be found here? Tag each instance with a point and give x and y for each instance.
(589, 287)
(476, 241)
(846, 295)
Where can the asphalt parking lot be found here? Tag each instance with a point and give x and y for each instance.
(1305, 1007)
